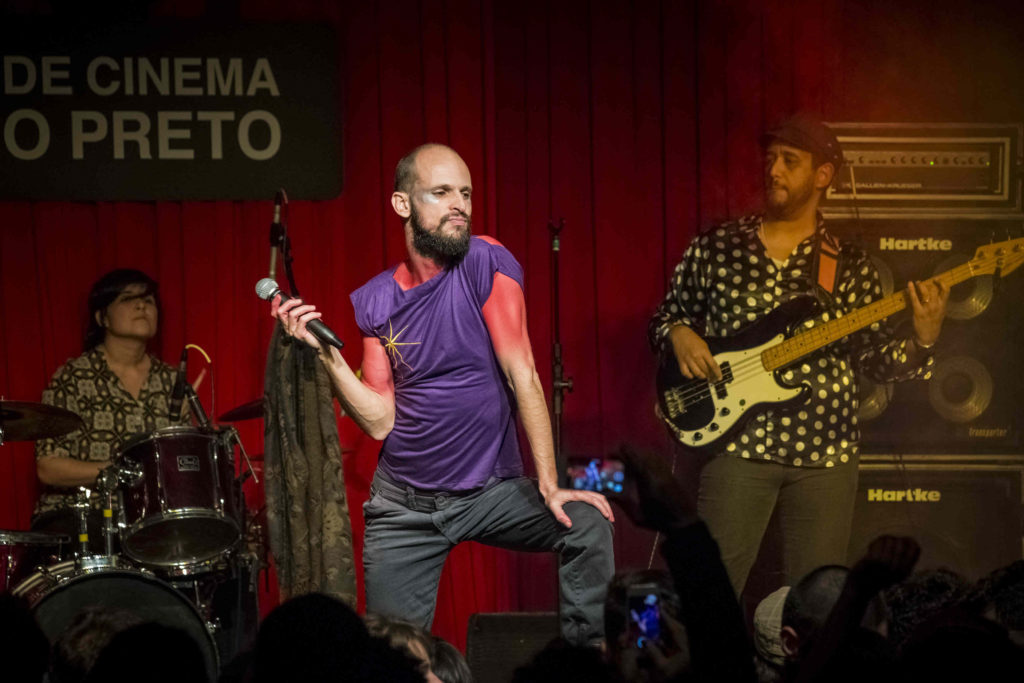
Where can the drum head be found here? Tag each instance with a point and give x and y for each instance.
(184, 538)
(172, 432)
(148, 598)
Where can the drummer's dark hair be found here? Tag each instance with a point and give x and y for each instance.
(103, 293)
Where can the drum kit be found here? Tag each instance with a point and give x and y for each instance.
(178, 544)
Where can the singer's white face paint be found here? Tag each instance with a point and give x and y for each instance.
(429, 198)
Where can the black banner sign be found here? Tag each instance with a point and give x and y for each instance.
(169, 111)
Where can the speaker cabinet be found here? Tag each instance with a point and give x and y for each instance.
(965, 512)
(497, 644)
(972, 402)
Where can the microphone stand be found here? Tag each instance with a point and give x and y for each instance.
(279, 241)
(559, 383)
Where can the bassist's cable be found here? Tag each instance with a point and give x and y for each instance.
(674, 449)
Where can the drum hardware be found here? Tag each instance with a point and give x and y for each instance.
(24, 421)
(81, 506)
(84, 555)
(234, 436)
(107, 486)
(46, 575)
(257, 540)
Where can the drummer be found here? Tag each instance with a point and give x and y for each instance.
(117, 387)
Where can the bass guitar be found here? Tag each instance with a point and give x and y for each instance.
(701, 413)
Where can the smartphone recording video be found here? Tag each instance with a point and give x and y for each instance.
(643, 609)
(604, 475)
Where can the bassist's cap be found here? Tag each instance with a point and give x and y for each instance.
(810, 135)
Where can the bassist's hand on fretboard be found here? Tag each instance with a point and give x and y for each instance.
(928, 301)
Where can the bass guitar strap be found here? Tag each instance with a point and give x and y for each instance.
(826, 263)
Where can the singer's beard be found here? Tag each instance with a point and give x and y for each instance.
(447, 252)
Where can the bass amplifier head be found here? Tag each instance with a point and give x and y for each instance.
(972, 402)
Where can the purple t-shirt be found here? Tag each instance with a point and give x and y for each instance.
(454, 418)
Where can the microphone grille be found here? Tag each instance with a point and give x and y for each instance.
(266, 288)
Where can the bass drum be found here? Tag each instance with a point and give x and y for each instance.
(60, 592)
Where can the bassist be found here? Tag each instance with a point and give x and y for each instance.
(800, 459)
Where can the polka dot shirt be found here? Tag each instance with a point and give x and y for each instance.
(726, 281)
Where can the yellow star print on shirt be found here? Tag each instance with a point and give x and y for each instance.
(391, 344)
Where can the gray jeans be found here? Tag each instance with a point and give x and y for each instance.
(814, 507)
(409, 535)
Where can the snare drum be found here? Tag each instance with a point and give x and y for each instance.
(61, 592)
(22, 551)
(178, 501)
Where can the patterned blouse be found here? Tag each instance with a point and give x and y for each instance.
(87, 386)
(726, 281)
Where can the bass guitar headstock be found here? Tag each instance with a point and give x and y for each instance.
(999, 258)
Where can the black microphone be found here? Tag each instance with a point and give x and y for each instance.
(178, 393)
(196, 406)
(267, 289)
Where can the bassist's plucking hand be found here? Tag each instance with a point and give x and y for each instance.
(693, 354)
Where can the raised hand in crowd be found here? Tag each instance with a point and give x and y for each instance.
(656, 662)
(653, 497)
(715, 635)
(888, 560)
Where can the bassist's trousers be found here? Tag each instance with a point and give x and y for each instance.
(814, 507)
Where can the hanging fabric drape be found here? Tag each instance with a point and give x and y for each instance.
(307, 509)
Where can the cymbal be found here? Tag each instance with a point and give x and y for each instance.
(23, 421)
(250, 411)
(246, 411)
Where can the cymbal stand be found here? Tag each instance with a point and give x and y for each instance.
(108, 523)
(107, 484)
(81, 507)
(234, 436)
(559, 383)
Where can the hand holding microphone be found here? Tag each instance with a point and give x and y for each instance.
(299, 320)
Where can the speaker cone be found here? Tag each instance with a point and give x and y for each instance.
(873, 397)
(968, 299)
(960, 388)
